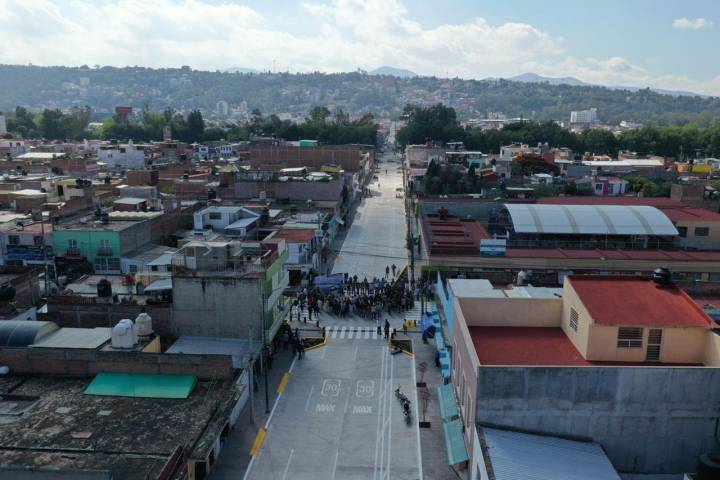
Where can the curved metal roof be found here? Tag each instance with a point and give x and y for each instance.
(21, 333)
(590, 219)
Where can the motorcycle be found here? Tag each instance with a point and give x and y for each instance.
(405, 403)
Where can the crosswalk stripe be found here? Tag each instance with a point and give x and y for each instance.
(367, 333)
(342, 332)
(374, 334)
(334, 332)
(351, 332)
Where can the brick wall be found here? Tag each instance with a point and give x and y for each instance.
(53, 361)
(82, 312)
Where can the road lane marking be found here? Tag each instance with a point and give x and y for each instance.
(287, 467)
(334, 331)
(351, 332)
(342, 332)
(367, 333)
(337, 454)
(307, 402)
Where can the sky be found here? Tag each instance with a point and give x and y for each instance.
(667, 44)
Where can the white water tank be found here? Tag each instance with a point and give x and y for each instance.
(143, 325)
(123, 334)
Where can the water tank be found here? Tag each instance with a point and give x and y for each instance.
(708, 467)
(7, 293)
(123, 334)
(104, 288)
(143, 324)
(105, 218)
(212, 194)
(662, 276)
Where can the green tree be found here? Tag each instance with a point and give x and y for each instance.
(195, 126)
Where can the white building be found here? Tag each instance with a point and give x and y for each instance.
(583, 116)
(234, 221)
(222, 108)
(116, 155)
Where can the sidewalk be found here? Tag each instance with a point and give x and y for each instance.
(235, 455)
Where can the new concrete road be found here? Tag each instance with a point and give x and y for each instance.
(376, 238)
(338, 417)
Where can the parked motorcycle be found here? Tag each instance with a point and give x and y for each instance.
(405, 403)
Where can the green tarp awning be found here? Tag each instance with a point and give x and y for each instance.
(455, 442)
(142, 385)
(448, 404)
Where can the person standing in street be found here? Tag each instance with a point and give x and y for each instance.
(393, 269)
(387, 329)
(387, 272)
(379, 326)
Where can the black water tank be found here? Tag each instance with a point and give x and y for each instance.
(708, 467)
(662, 276)
(104, 288)
(212, 194)
(7, 293)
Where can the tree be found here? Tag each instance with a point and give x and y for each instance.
(195, 126)
(318, 115)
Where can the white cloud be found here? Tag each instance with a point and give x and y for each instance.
(338, 35)
(696, 24)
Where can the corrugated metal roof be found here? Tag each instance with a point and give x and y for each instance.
(521, 456)
(590, 219)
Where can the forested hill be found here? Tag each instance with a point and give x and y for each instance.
(356, 93)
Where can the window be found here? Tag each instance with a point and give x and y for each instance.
(598, 187)
(132, 268)
(105, 244)
(630, 337)
(215, 216)
(702, 231)
(72, 243)
(682, 231)
(13, 240)
(37, 240)
(574, 318)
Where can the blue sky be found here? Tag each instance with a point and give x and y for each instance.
(659, 43)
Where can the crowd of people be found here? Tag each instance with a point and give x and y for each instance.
(355, 297)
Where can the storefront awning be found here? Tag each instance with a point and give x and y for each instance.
(159, 285)
(448, 402)
(455, 442)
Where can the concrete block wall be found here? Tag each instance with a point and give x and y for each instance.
(648, 419)
(41, 361)
(87, 315)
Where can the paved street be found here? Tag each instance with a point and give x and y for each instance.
(339, 418)
(376, 237)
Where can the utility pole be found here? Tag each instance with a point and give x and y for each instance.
(264, 344)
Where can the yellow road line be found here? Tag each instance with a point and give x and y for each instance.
(283, 383)
(257, 444)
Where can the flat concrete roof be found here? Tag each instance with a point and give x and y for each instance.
(76, 338)
(238, 348)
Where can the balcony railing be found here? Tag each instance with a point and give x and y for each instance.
(73, 252)
(105, 252)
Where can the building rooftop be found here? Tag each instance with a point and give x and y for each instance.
(91, 224)
(691, 215)
(658, 202)
(522, 456)
(524, 346)
(453, 235)
(130, 201)
(598, 254)
(589, 219)
(636, 301)
(103, 433)
(296, 235)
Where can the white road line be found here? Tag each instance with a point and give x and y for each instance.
(381, 411)
(337, 454)
(307, 402)
(374, 334)
(342, 332)
(351, 332)
(389, 443)
(367, 333)
(287, 467)
(334, 332)
(417, 417)
(355, 354)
